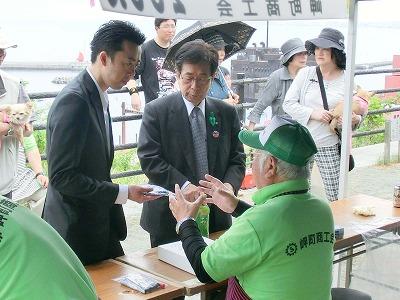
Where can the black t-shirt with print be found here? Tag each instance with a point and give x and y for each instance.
(156, 82)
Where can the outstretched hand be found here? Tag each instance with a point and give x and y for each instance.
(181, 208)
(219, 193)
(139, 194)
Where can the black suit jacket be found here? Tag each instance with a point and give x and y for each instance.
(166, 154)
(80, 197)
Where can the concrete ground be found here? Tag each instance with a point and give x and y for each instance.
(369, 176)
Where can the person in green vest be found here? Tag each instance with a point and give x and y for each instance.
(280, 248)
(36, 263)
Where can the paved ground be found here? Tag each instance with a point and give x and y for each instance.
(368, 177)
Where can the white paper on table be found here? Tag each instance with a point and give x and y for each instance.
(174, 254)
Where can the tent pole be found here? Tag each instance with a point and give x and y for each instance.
(349, 83)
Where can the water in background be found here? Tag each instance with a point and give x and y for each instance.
(40, 81)
(376, 42)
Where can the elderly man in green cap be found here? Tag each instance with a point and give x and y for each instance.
(280, 248)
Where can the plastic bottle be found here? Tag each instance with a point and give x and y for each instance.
(202, 220)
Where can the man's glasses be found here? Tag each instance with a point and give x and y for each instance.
(201, 80)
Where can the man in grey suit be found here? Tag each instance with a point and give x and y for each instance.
(82, 203)
(171, 150)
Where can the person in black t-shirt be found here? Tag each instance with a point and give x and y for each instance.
(156, 81)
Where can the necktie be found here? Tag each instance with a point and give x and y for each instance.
(198, 126)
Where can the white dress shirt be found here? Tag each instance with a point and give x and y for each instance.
(122, 197)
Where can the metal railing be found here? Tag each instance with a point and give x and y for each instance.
(240, 107)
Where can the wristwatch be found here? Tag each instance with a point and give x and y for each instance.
(10, 131)
(179, 223)
(133, 90)
(38, 174)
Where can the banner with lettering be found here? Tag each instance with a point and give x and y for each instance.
(243, 10)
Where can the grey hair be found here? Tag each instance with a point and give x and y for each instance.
(284, 169)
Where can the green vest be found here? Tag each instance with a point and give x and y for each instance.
(282, 248)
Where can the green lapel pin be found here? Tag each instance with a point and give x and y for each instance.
(212, 119)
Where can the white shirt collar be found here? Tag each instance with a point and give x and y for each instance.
(189, 106)
(103, 95)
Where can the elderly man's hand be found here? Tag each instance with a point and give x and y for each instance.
(181, 208)
(139, 194)
(191, 192)
(221, 194)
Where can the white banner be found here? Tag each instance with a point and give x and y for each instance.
(232, 10)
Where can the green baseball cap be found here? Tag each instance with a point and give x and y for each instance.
(284, 138)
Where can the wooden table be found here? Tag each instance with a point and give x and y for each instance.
(386, 217)
(148, 260)
(103, 274)
(343, 215)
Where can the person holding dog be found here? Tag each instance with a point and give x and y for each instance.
(11, 92)
(304, 103)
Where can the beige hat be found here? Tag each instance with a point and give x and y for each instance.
(5, 42)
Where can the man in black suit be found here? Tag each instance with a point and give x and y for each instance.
(166, 142)
(82, 203)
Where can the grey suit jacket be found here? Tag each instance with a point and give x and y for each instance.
(80, 197)
(166, 154)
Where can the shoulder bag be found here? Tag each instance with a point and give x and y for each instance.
(326, 107)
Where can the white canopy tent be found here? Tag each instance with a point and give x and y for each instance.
(253, 10)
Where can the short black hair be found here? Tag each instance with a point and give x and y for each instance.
(197, 52)
(110, 36)
(158, 21)
(286, 64)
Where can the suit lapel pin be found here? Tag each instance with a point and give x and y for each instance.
(212, 119)
(215, 134)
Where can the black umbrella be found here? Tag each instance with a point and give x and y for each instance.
(235, 34)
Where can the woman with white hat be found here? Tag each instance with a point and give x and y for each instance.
(294, 57)
(304, 103)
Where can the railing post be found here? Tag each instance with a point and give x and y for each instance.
(398, 151)
(386, 155)
(240, 92)
(123, 123)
